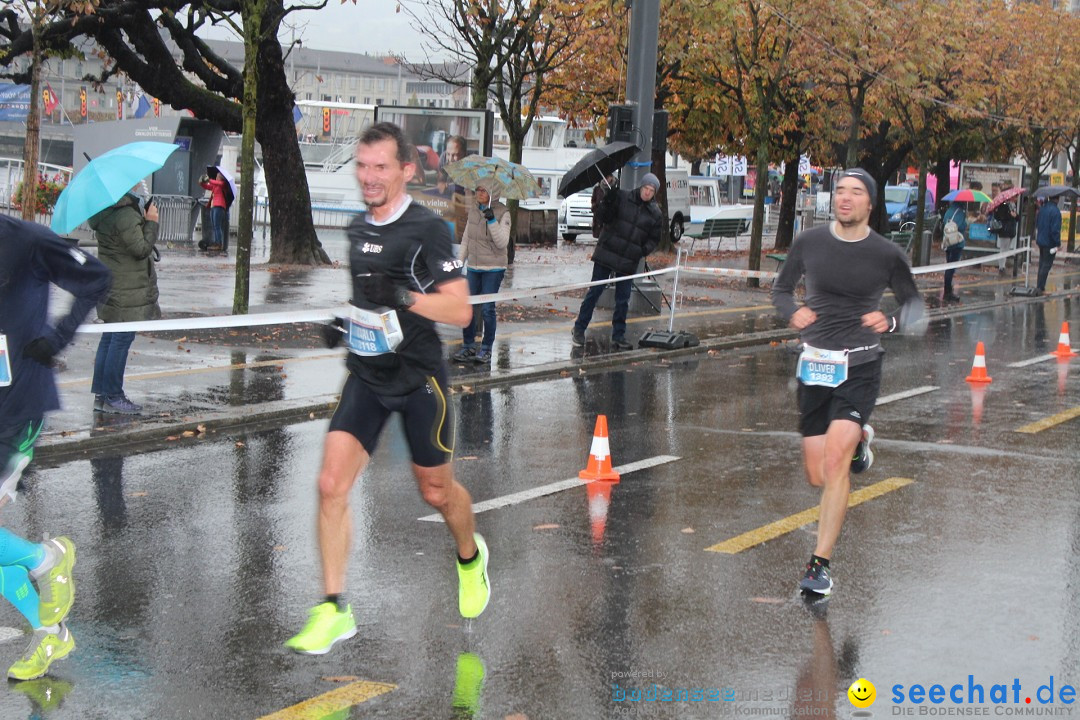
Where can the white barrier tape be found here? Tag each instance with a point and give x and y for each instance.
(966, 263)
(552, 289)
(212, 322)
(301, 316)
(729, 272)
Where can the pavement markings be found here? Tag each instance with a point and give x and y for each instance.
(793, 522)
(1047, 423)
(1033, 361)
(907, 394)
(552, 488)
(334, 701)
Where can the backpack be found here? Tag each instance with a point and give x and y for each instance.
(951, 234)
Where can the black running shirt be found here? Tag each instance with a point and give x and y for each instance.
(415, 251)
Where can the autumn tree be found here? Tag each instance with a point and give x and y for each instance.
(141, 37)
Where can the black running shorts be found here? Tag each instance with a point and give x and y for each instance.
(425, 412)
(853, 399)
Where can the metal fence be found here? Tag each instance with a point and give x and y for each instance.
(324, 214)
(177, 216)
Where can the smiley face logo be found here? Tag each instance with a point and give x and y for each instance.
(862, 693)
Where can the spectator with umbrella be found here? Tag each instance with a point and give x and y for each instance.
(1004, 217)
(1047, 237)
(222, 191)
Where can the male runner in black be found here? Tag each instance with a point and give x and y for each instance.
(847, 267)
(403, 264)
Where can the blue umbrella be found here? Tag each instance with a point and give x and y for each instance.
(507, 179)
(105, 180)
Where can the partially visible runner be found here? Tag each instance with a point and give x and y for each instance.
(405, 279)
(847, 268)
(36, 577)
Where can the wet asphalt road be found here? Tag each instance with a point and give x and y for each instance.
(197, 561)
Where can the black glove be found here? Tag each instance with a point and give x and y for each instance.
(381, 290)
(333, 332)
(40, 350)
(489, 214)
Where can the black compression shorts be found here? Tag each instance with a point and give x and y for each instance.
(425, 412)
(853, 399)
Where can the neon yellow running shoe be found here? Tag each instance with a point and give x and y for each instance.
(45, 647)
(474, 587)
(325, 626)
(57, 587)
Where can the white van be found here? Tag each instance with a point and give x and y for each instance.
(575, 215)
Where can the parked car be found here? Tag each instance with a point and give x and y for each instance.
(901, 202)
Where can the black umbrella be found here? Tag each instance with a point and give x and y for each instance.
(596, 166)
(1053, 191)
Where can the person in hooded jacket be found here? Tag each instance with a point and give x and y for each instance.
(126, 241)
(632, 224)
(483, 248)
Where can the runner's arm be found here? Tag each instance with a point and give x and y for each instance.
(82, 275)
(912, 314)
(783, 289)
(448, 304)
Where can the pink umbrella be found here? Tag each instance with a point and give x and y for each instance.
(1004, 196)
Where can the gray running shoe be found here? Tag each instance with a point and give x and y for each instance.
(816, 579)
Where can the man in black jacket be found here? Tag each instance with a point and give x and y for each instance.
(631, 230)
(36, 577)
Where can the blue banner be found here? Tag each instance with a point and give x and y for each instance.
(14, 102)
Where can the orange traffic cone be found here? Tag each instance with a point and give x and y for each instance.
(1063, 349)
(599, 466)
(978, 368)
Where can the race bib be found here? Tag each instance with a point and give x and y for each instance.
(828, 368)
(5, 363)
(373, 333)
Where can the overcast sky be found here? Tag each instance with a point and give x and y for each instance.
(371, 26)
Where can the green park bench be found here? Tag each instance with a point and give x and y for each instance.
(718, 228)
(779, 258)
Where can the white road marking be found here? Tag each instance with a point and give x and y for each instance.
(906, 394)
(541, 491)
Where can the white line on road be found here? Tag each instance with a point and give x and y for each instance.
(532, 493)
(1032, 361)
(907, 393)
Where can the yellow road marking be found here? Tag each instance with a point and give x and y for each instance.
(793, 522)
(322, 705)
(1051, 421)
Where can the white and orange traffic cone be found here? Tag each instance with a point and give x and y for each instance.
(599, 465)
(978, 368)
(1063, 349)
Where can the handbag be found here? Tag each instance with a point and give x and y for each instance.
(996, 225)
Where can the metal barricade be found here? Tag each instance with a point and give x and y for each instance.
(177, 216)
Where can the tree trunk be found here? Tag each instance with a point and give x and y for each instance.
(789, 191)
(249, 109)
(293, 238)
(920, 253)
(1033, 154)
(517, 141)
(761, 184)
(941, 171)
(33, 129)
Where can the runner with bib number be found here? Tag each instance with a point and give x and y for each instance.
(847, 268)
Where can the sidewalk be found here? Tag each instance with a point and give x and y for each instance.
(192, 383)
